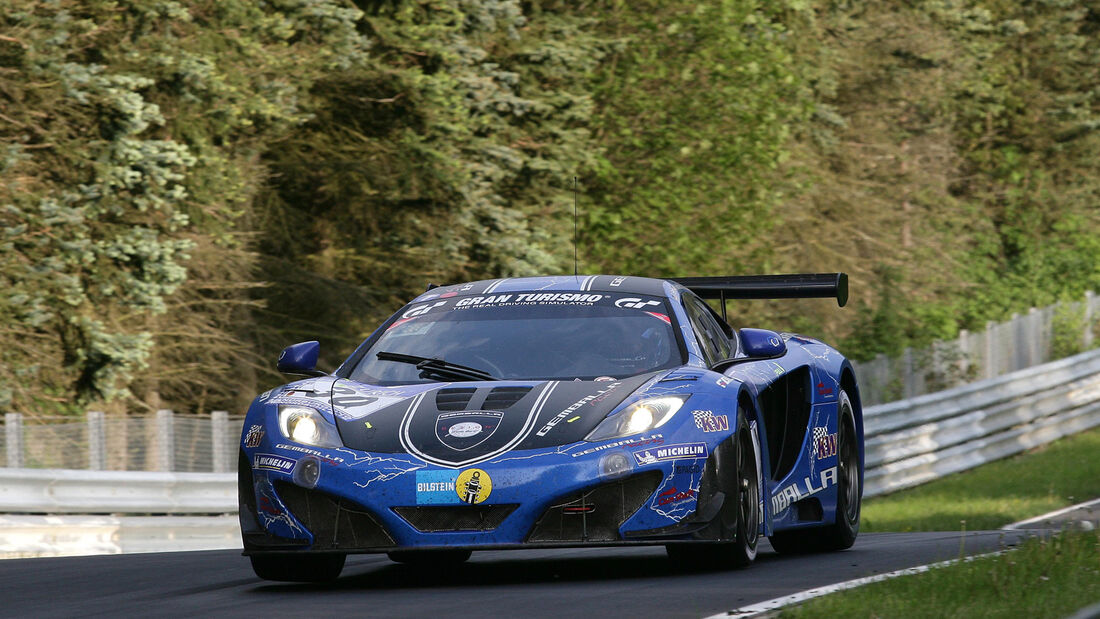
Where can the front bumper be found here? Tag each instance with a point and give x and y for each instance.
(363, 503)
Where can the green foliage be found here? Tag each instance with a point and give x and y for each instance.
(697, 91)
(188, 186)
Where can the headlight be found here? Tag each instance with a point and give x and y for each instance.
(306, 425)
(639, 417)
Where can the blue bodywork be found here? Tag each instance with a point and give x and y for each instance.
(789, 401)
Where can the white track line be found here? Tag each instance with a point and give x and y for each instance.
(762, 608)
(1054, 514)
(797, 598)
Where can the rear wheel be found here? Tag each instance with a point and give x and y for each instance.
(841, 534)
(303, 568)
(739, 518)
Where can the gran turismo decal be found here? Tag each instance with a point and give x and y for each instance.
(800, 490)
(420, 310)
(707, 421)
(671, 452)
(599, 396)
(254, 436)
(635, 303)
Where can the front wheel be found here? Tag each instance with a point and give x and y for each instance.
(739, 518)
(303, 568)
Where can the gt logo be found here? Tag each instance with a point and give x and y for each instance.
(634, 302)
(421, 310)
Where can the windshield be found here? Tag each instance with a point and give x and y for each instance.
(528, 336)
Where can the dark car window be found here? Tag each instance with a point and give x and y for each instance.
(715, 344)
(529, 336)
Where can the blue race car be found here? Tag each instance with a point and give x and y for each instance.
(558, 411)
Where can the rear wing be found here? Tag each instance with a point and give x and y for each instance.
(796, 286)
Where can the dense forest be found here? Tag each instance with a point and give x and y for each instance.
(188, 186)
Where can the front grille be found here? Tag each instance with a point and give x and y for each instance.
(434, 519)
(454, 399)
(501, 398)
(595, 515)
(334, 522)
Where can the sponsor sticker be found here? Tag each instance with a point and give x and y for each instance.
(723, 381)
(824, 443)
(671, 452)
(800, 490)
(473, 486)
(707, 421)
(466, 429)
(656, 439)
(435, 487)
(271, 462)
(634, 303)
(599, 396)
(254, 436)
(673, 495)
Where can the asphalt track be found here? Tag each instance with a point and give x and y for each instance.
(596, 582)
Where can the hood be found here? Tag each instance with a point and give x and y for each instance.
(460, 424)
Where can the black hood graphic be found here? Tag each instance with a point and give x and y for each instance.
(461, 424)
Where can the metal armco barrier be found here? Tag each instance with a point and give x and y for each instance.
(56, 491)
(907, 443)
(923, 438)
(50, 536)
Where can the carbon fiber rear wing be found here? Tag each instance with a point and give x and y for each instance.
(796, 286)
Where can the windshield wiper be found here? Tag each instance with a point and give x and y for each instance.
(437, 368)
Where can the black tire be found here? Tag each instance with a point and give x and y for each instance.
(842, 532)
(739, 519)
(429, 557)
(304, 568)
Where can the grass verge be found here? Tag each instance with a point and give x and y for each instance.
(1044, 479)
(1051, 577)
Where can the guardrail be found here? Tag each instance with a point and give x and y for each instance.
(908, 443)
(917, 440)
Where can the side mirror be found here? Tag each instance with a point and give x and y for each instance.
(762, 344)
(300, 359)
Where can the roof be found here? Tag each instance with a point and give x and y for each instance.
(554, 283)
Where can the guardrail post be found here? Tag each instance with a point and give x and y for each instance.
(219, 420)
(1086, 338)
(990, 371)
(97, 444)
(909, 374)
(165, 441)
(13, 431)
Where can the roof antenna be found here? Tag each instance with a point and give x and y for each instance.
(574, 226)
